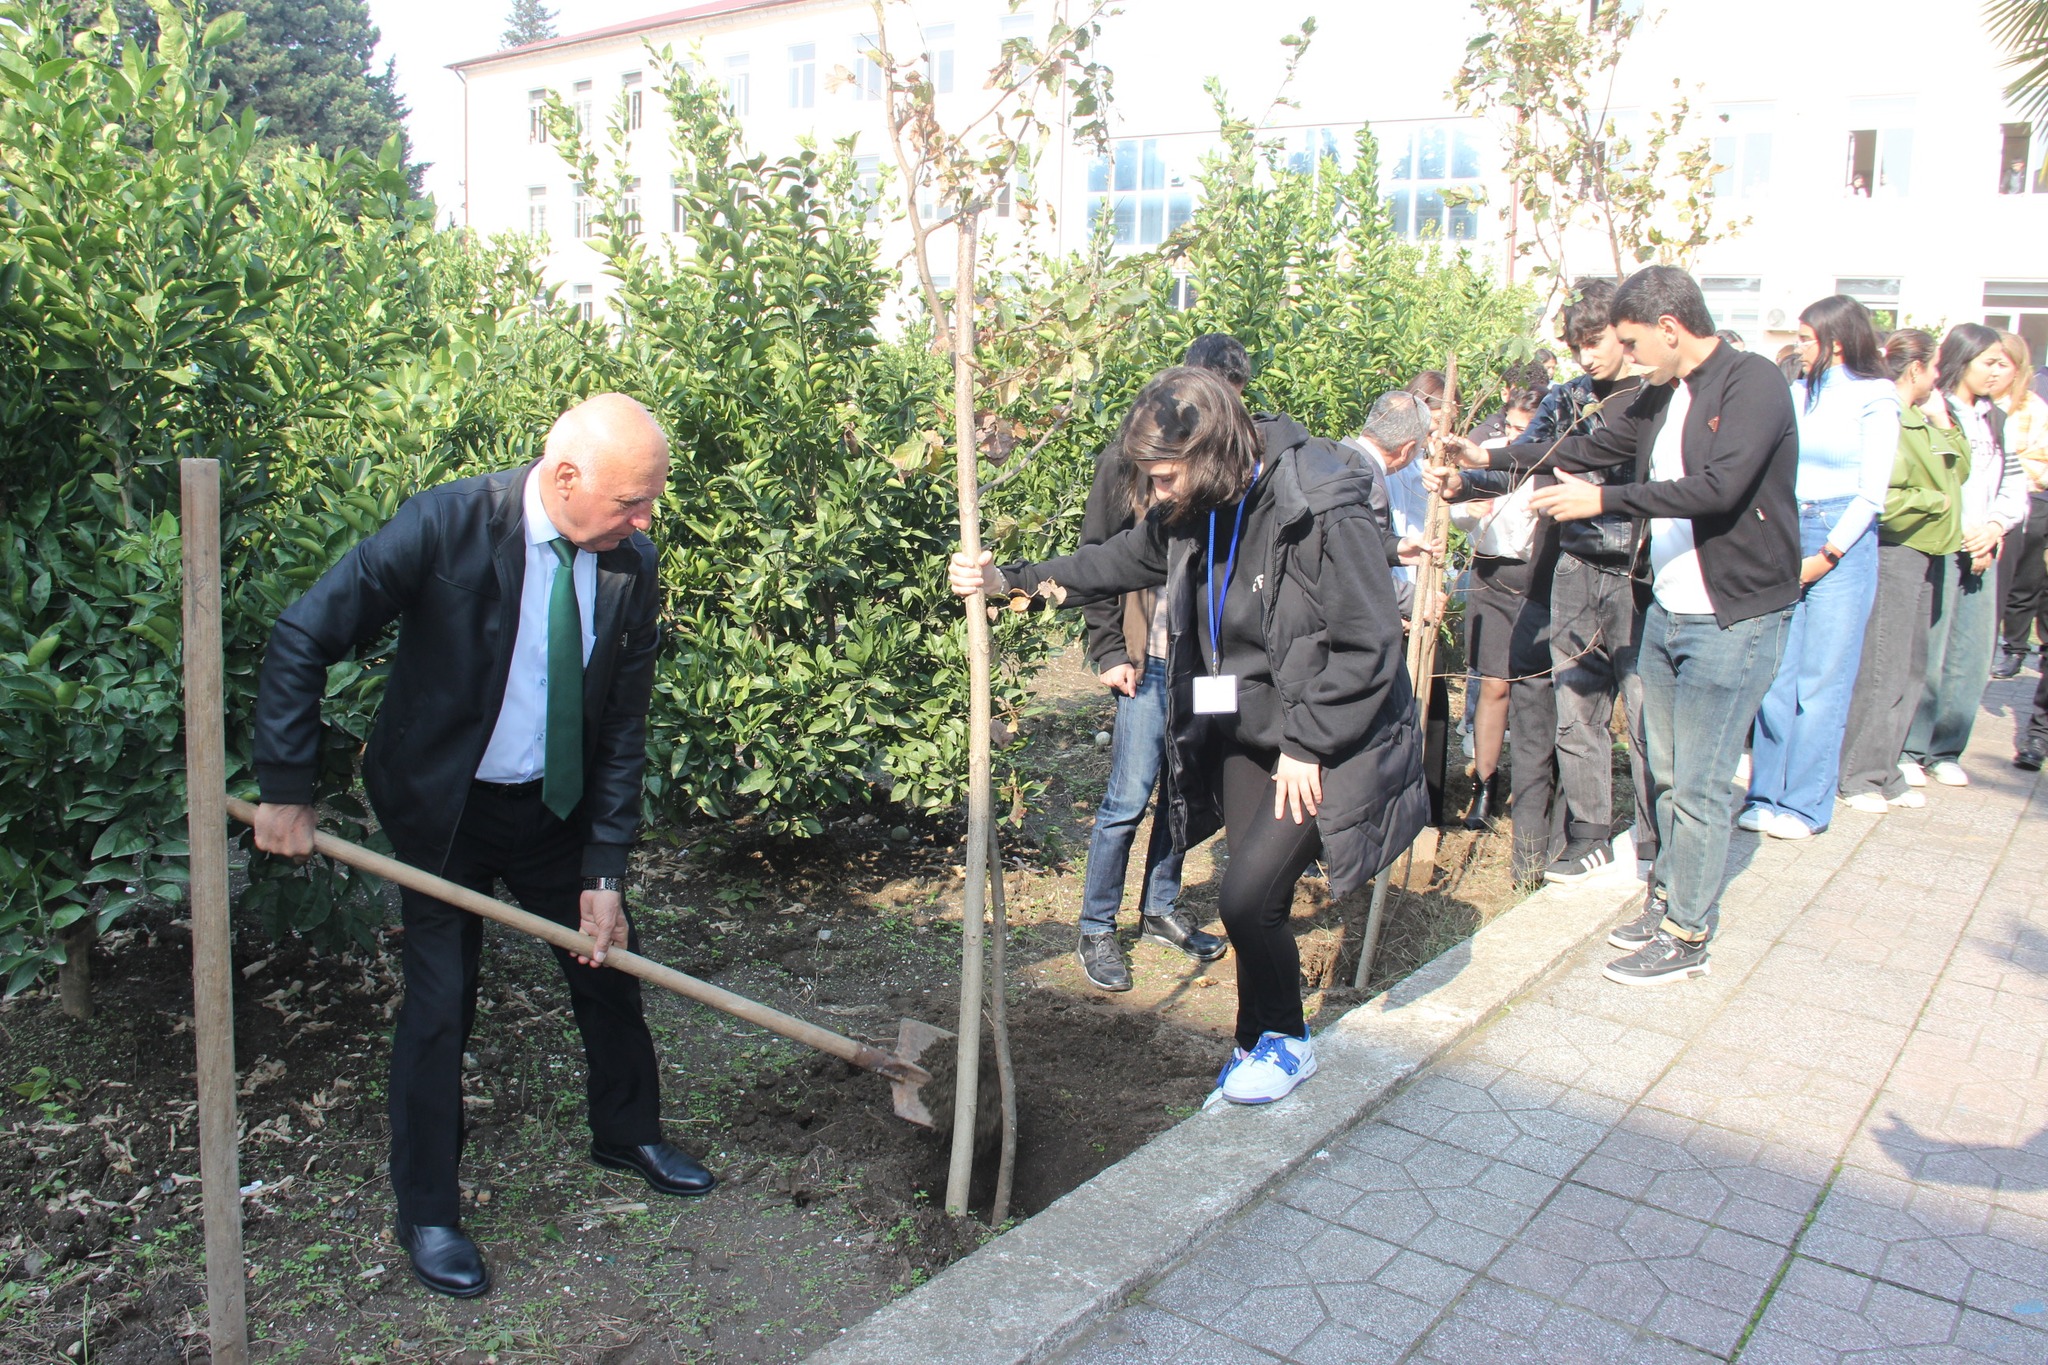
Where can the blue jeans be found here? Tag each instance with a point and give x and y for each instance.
(1796, 754)
(1135, 762)
(1959, 646)
(1701, 688)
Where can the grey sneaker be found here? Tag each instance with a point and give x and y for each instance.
(1650, 912)
(1103, 963)
(1664, 959)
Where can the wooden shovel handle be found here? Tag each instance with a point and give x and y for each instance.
(561, 936)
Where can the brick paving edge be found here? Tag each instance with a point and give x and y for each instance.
(1031, 1292)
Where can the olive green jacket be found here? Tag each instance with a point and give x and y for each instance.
(1923, 509)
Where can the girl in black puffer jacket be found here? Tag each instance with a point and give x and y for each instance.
(1292, 723)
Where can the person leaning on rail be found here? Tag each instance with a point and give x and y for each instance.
(1293, 727)
(509, 745)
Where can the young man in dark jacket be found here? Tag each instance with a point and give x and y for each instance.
(1713, 441)
(1596, 614)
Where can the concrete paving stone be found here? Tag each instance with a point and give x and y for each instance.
(1139, 1335)
(1336, 1343)
(1701, 1324)
(1282, 1226)
(1423, 1278)
(1393, 1215)
(1379, 1311)
(1198, 1292)
(1314, 1193)
(1823, 1313)
(1342, 1256)
(1274, 1320)
(1214, 1349)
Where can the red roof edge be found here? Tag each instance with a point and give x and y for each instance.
(673, 17)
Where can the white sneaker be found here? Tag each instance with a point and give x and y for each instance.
(1783, 826)
(1742, 772)
(1915, 775)
(1909, 799)
(1754, 819)
(1873, 803)
(1272, 1069)
(1949, 774)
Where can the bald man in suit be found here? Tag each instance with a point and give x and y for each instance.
(509, 747)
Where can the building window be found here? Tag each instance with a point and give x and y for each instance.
(536, 116)
(1736, 303)
(938, 57)
(1878, 293)
(1315, 150)
(2019, 306)
(1023, 25)
(1742, 150)
(1182, 297)
(867, 177)
(867, 72)
(1880, 151)
(629, 209)
(1144, 199)
(583, 303)
(803, 76)
(739, 84)
(1016, 187)
(635, 108)
(580, 105)
(537, 210)
(583, 223)
(2015, 155)
(1434, 187)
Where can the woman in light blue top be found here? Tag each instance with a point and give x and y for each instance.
(1848, 434)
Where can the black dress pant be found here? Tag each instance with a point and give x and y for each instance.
(505, 835)
(1267, 857)
(2023, 578)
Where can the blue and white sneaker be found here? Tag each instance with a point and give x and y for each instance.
(1270, 1071)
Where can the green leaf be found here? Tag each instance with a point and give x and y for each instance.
(224, 29)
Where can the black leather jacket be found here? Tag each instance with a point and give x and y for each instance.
(1606, 541)
(448, 567)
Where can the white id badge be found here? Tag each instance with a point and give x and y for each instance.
(1216, 695)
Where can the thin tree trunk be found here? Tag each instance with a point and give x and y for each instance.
(999, 1025)
(980, 801)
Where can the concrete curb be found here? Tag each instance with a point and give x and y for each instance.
(1029, 1293)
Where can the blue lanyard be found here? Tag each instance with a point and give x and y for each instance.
(1229, 568)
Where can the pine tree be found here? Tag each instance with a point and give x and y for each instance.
(529, 22)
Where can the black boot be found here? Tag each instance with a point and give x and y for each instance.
(1486, 802)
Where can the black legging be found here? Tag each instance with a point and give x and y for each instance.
(1267, 857)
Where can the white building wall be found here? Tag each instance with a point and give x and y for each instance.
(1794, 82)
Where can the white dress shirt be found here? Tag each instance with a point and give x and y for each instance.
(1674, 560)
(518, 747)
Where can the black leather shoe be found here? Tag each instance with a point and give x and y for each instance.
(1178, 931)
(2029, 760)
(666, 1169)
(1102, 962)
(1486, 802)
(2008, 665)
(445, 1260)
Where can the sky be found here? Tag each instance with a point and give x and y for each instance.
(424, 37)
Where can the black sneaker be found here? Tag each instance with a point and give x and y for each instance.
(1664, 959)
(1177, 930)
(1582, 858)
(1102, 962)
(2029, 759)
(1646, 911)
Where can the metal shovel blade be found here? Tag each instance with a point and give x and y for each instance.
(912, 1038)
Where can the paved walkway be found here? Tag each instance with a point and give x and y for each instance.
(1834, 1148)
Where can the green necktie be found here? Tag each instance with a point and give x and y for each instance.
(561, 784)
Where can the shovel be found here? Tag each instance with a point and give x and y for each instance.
(906, 1078)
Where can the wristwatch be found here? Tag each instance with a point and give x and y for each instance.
(604, 884)
(1831, 555)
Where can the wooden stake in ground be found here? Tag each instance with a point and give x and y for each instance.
(1422, 638)
(213, 998)
(980, 795)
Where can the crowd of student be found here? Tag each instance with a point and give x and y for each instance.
(1815, 573)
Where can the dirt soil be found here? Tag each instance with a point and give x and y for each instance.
(829, 1205)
